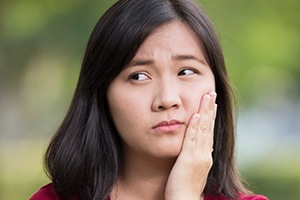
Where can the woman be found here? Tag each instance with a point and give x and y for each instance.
(143, 123)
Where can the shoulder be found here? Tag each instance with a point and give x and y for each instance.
(47, 192)
(241, 197)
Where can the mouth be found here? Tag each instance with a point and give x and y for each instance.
(168, 126)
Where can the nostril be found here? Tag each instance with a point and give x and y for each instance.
(175, 105)
(161, 108)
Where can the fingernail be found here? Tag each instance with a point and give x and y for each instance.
(207, 98)
(214, 96)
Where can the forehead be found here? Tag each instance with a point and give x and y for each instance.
(174, 36)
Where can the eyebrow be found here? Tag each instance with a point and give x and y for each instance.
(138, 62)
(188, 57)
(179, 57)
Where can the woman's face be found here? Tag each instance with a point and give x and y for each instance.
(152, 100)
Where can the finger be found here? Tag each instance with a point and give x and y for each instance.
(213, 104)
(206, 113)
(213, 96)
(215, 111)
(206, 122)
(191, 131)
(213, 107)
(212, 126)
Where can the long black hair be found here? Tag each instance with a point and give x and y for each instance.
(84, 157)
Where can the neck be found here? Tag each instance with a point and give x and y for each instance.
(142, 177)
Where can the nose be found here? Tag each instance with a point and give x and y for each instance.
(167, 97)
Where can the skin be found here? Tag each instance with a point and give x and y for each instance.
(163, 106)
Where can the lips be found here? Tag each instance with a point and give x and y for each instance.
(168, 126)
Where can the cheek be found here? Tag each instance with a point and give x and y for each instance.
(193, 95)
(120, 115)
(126, 109)
(119, 108)
(192, 101)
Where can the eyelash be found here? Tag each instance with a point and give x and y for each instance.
(137, 75)
(194, 71)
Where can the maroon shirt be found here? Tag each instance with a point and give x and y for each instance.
(48, 193)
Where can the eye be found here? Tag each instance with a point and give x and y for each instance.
(186, 72)
(139, 77)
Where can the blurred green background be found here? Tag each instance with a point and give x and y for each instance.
(41, 48)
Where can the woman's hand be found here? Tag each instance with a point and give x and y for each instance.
(189, 173)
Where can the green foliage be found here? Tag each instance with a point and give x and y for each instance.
(21, 168)
(42, 45)
(275, 179)
(275, 186)
(261, 44)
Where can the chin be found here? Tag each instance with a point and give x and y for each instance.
(168, 151)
